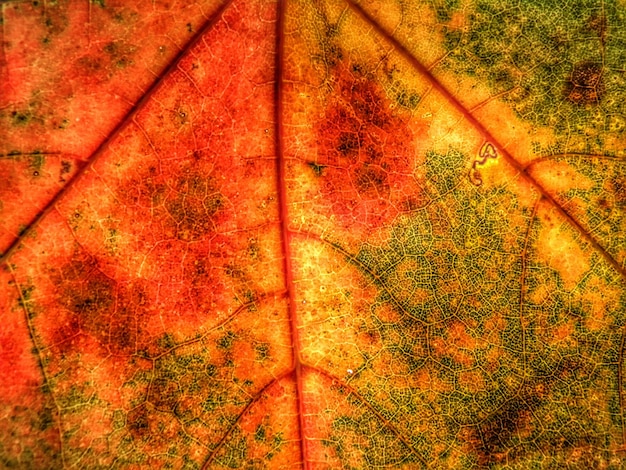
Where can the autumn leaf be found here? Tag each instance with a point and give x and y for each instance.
(315, 234)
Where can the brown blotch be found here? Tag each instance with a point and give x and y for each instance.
(125, 328)
(164, 394)
(89, 296)
(98, 307)
(120, 53)
(598, 24)
(356, 134)
(185, 206)
(500, 436)
(366, 149)
(371, 180)
(586, 85)
(138, 423)
(492, 438)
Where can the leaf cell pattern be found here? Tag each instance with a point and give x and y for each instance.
(312, 234)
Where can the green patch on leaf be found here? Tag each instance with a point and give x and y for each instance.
(318, 170)
(226, 341)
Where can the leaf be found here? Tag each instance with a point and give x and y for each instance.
(308, 233)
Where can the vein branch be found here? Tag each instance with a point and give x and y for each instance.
(386, 423)
(233, 426)
(281, 171)
(37, 350)
(620, 385)
(573, 156)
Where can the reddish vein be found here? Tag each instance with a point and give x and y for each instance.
(486, 134)
(235, 423)
(573, 156)
(124, 122)
(523, 284)
(281, 170)
(620, 385)
(242, 308)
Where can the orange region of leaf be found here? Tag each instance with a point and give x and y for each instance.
(386, 313)
(20, 376)
(563, 332)
(58, 56)
(600, 299)
(562, 251)
(319, 419)
(457, 333)
(29, 182)
(542, 292)
(331, 296)
(493, 357)
(458, 21)
(473, 381)
(384, 364)
(421, 379)
(167, 247)
(493, 328)
(458, 344)
(560, 177)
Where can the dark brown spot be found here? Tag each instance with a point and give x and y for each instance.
(585, 85)
(495, 434)
(362, 137)
(138, 423)
(618, 185)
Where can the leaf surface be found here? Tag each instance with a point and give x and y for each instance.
(312, 234)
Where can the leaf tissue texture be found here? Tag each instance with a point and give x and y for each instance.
(312, 234)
